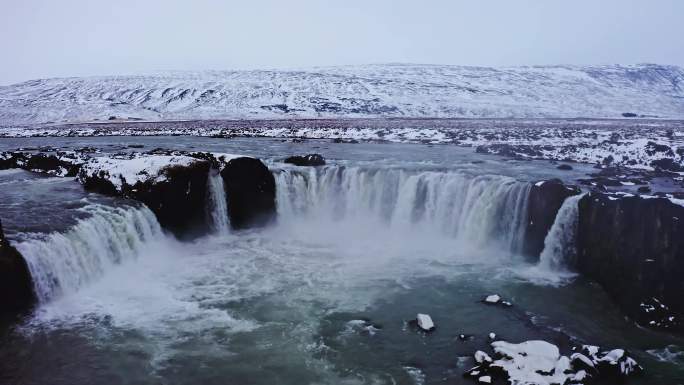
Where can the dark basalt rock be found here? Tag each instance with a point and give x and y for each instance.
(666, 164)
(634, 248)
(16, 288)
(566, 167)
(306, 160)
(62, 164)
(545, 200)
(179, 202)
(250, 188)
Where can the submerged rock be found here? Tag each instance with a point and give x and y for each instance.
(634, 248)
(250, 187)
(363, 327)
(306, 160)
(16, 288)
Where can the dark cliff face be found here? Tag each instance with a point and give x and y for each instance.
(634, 248)
(179, 202)
(545, 200)
(16, 288)
(250, 189)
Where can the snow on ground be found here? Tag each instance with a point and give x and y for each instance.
(389, 90)
(629, 143)
(541, 363)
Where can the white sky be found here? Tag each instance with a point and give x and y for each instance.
(48, 38)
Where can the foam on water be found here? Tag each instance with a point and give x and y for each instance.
(559, 249)
(61, 263)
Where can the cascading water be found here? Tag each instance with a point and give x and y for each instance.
(559, 244)
(62, 262)
(476, 210)
(217, 203)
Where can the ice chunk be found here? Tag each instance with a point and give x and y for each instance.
(425, 322)
(494, 298)
(482, 357)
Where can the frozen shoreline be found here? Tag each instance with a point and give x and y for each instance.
(635, 144)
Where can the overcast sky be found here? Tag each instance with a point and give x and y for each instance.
(48, 38)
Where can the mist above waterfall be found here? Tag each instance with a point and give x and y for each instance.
(407, 209)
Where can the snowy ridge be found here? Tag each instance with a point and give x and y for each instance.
(390, 90)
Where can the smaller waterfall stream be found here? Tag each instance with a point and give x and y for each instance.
(559, 244)
(63, 262)
(218, 205)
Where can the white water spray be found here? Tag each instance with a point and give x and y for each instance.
(218, 205)
(559, 244)
(476, 210)
(61, 263)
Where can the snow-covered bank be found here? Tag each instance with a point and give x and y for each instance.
(639, 144)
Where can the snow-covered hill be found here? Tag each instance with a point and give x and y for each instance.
(392, 90)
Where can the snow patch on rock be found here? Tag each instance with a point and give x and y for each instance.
(129, 171)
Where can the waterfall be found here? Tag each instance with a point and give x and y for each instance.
(218, 205)
(62, 262)
(559, 244)
(474, 209)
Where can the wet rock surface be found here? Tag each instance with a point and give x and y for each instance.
(545, 199)
(634, 247)
(250, 187)
(306, 160)
(173, 184)
(176, 190)
(16, 290)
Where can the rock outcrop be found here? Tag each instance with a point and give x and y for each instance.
(634, 248)
(173, 187)
(250, 188)
(306, 160)
(58, 164)
(16, 289)
(540, 362)
(545, 199)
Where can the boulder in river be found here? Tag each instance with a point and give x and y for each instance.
(16, 288)
(306, 160)
(495, 299)
(250, 187)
